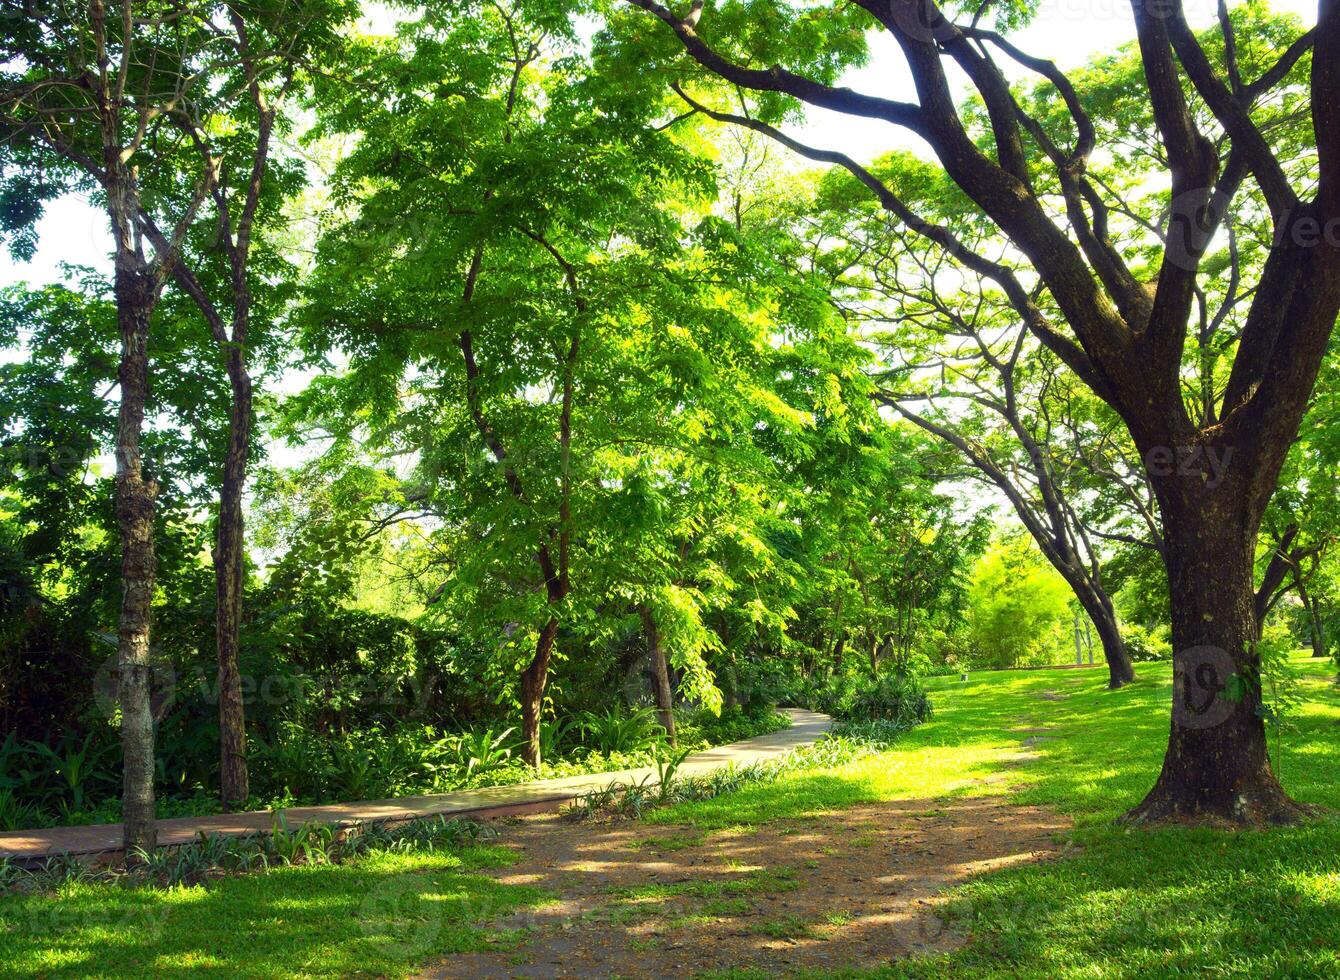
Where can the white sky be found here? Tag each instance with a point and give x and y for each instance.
(1067, 31)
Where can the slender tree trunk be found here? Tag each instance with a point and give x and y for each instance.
(533, 682)
(229, 565)
(660, 674)
(1313, 620)
(136, 296)
(1217, 763)
(1098, 607)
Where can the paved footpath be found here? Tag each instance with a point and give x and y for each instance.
(490, 801)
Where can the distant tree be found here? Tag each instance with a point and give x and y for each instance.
(1018, 605)
(82, 90)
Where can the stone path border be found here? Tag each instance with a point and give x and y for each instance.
(491, 801)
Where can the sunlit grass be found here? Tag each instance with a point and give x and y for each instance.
(1124, 903)
(373, 917)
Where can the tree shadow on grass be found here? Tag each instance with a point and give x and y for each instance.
(374, 917)
(1163, 903)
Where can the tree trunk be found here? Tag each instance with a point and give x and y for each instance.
(136, 296)
(1217, 764)
(1313, 620)
(660, 675)
(228, 573)
(533, 681)
(1098, 607)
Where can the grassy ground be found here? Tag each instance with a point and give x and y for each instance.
(369, 918)
(1122, 903)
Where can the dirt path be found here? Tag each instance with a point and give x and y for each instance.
(855, 887)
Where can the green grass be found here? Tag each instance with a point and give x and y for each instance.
(1163, 903)
(372, 917)
(1123, 903)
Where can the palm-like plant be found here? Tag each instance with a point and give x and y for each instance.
(615, 731)
(479, 751)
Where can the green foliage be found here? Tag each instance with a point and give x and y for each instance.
(1281, 691)
(1145, 646)
(844, 745)
(734, 724)
(1018, 606)
(618, 731)
(896, 699)
(212, 856)
(479, 752)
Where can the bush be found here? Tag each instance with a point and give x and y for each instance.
(1145, 646)
(896, 698)
(734, 724)
(618, 732)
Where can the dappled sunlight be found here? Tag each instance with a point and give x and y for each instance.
(367, 916)
(859, 885)
(956, 844)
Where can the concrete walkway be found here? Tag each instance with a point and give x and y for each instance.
(491, 801)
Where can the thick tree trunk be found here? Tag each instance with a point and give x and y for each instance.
(533, 681)
(135, 495)
(660, 675)
(1217, 765)
(228, 573)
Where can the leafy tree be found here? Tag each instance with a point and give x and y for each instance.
(1123, 318)
(1018, 605)
(533, 317)
(959, 365)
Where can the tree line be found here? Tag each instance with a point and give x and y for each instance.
(591, 363)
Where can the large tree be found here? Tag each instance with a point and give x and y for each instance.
(82, 93)
(541, 321)
(1121, 323)
(236, 114)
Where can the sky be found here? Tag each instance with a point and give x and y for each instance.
(1067, 31)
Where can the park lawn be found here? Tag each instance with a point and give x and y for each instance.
(1170, 902)
(375, 916)
(1124, 902)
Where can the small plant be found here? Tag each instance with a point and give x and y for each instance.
(557, 736)
(479, 752)
(667, 774)
(309, 843)
(1281, 694)
(838, 747)
(617, 732)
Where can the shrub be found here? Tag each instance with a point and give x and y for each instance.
(617, 732)
(1145, 646)
(895, 698)
(734, 724)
